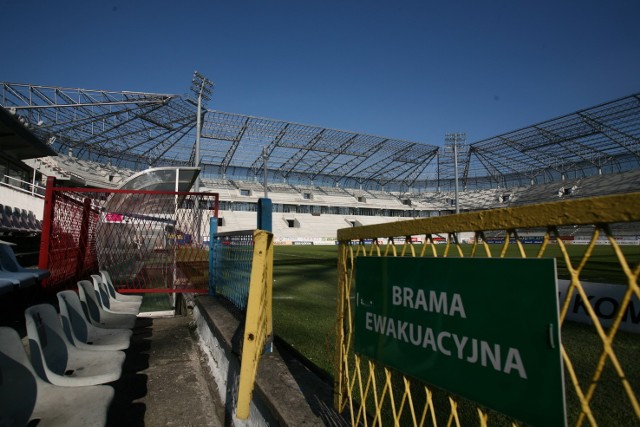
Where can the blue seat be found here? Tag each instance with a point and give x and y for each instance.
(25, 399)
(9, 263)
(18, 221)
(6, 286)
(7, 219)
(24, 217)
(32, 221)
(3, 226)
(21, 280)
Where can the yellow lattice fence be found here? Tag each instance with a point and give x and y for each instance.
(601, 363)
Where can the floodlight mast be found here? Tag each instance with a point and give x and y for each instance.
(202, 87)
(265, 156)
(455, 139)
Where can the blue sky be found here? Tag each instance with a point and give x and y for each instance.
(412, 70)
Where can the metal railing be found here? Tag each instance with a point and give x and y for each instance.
(241, 272)
(17, 184)
(231, 256)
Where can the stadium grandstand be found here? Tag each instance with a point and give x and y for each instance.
(320, 179)
(106, 149)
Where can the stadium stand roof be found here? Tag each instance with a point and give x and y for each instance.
(162, 179)
(17, 141)
(155, 179)
(140, 130)
(604, 138)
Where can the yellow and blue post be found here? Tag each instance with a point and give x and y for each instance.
(265, 209)
(265, 214)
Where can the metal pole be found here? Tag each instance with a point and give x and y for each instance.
(33, 180)
(174, 268)
(196, 187)
(455, 169)
(198, 125)
(201, 87)
(266, 157)
(438, 172)
(455, 139)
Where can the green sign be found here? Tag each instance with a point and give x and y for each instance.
(484, 328)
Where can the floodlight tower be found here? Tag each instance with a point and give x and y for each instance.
(265, 157)
(455, 139)
(202, 87)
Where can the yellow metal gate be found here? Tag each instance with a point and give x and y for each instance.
(586, 236)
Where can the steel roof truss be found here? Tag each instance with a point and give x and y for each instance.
(420, 165)
(234, 146)
(160, 155)
(352, 165)
(584, 152)
(609, 131)
(259, 161)
(542, 158)
(323, 162)
(293, 161)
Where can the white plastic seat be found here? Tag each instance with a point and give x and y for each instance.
(110, 304)
(82, 333)
(58, 361)
(106, 279)
(25, 399)
(97, 315)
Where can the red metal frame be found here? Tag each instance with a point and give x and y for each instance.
(153, 251)
(47, 220)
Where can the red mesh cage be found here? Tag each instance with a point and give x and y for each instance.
(149, 241)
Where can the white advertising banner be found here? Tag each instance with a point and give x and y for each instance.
(606, 302)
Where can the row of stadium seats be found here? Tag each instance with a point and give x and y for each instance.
(287, 193)
(15, 220)
(73, 354)
(98, 174)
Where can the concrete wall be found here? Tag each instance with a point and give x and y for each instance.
(286, 392)
(22, 200)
